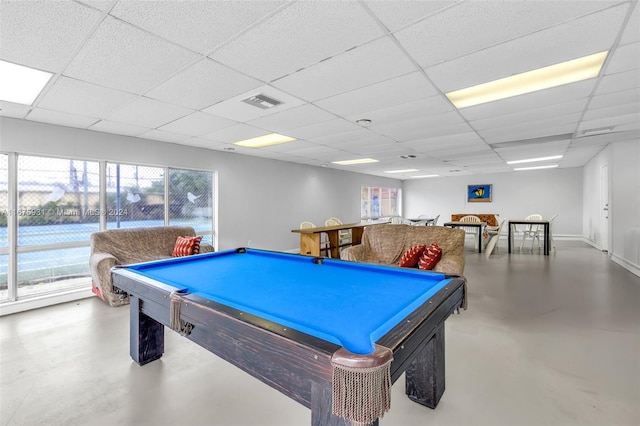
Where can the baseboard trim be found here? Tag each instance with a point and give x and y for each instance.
(8, 308)
(634, 269)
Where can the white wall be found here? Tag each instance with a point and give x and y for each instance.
(515, 195)
(623, 161)
(259, 200)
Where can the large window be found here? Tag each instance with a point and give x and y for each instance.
(376, 202)
(58, 204)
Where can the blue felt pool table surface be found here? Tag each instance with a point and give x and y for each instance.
(346, 303)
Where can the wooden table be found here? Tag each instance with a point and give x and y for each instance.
(545, 225)
(479, 225)
(310, 238)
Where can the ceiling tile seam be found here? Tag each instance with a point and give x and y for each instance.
(601, 74)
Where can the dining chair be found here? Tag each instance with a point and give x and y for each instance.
(396, 220)
(494, 238)
(540, 231)
(344, 236)
(471, 230)
(531, 231)
(435, 221)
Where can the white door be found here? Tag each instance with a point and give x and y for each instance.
(604, 202)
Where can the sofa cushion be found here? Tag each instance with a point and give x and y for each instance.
(430, 257)
(411, 256)
(186, 246)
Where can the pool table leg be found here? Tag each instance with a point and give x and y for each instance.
(146, 336)
(321, 414)
(425, 375)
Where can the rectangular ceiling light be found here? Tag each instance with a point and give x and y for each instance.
(533, 160)
(424, 176)
(356, 161)
(20, 84)
(266, 140)
(530, 81)
(536, 167)
(402, 171)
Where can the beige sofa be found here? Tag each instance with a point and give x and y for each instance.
(385, 244)
(126, 246)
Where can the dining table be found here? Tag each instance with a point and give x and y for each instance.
(311, 238)
(545, 224)
(479, 225)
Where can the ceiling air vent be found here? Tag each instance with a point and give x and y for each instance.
(261, 101)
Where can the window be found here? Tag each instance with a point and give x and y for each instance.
(378, 202)
(191, 201)
(135, 196)
(59, 205)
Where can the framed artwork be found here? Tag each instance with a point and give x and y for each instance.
(479, 193)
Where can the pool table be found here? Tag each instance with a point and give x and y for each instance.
(324, 332)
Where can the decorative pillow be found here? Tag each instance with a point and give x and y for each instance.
(411, 256)
(186, 246)
(430, 257)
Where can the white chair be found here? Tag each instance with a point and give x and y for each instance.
(540, 231)
(396, 220)
(344, 236)
(471, 230)
(531, 231)
(494, 238)
(435, 221)
(324, 242)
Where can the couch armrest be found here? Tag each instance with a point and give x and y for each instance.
(101, 264)
(206, 248)
(450, 264)
(356, 253)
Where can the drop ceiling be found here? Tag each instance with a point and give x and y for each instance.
(178, 72)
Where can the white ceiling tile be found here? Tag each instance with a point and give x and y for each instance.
(417, 109)
(622, 97)
(288, 41)
(398, 90)
(394, 17)
(119, 128)
(103, 5)
(536, 114)
(531, 127)
(581, 37)
(160, 135)
(455, 139)
(198, 25)
(43, 34)
(324, 128)
(631, 33)
(197, 124)
(415, 128)
(203, 84)
(625, 58)
(616, 120)
(374, 62)
(235, 133)
(234, 109)
(475, 26)
(60, 118)
(292, 118)
(79, 97)
(148, 113)
(612, 112)
(629, 80)
(503, 135)
(123, 57)
(10, 109)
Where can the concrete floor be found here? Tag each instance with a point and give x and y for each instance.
(546, 341)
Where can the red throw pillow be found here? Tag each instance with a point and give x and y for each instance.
(411, 256)
(430, 257)
(186, 246)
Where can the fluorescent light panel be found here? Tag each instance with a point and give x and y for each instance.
(531, 81)
(533, 160)
(20, 84)
(356, 161)
(424, 176)
(536, 167)
(402, 171)
(266, 140)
